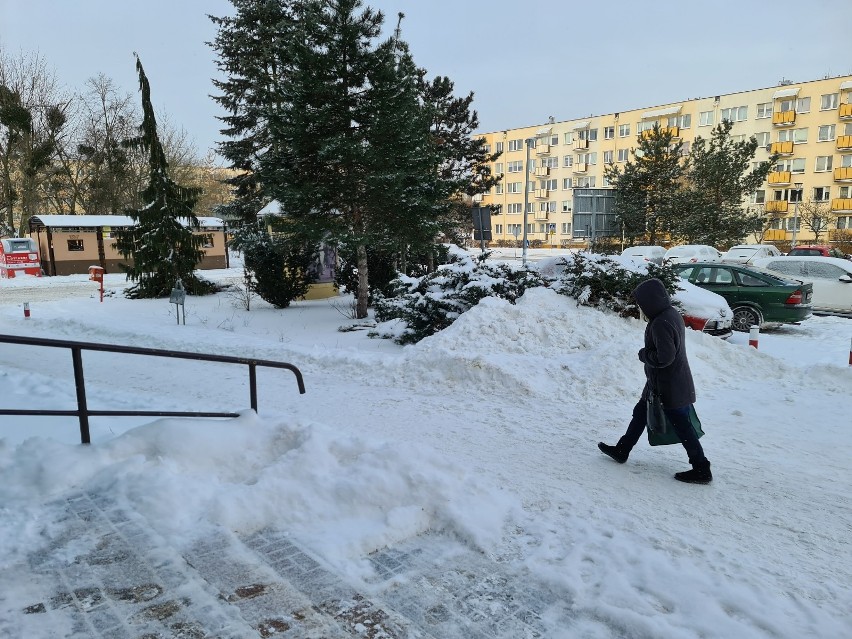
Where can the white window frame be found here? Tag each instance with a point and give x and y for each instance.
(828, 101)
(826, 133)
(623, 155)
(624, 130)
(705, 118)
(764, 110)
(825, 161)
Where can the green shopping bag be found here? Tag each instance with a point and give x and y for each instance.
(669, 436)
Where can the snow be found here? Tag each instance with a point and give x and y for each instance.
(485, 433)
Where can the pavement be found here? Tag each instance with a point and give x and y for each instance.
(103, 572)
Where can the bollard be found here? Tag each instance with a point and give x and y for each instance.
(26, 310)
(753, 334)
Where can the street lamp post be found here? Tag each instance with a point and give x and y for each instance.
(528, 143)
(798, 186)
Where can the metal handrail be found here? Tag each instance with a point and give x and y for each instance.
(83, 412)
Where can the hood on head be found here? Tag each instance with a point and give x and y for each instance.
(652, 297)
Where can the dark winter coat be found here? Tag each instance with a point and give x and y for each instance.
(664, 354)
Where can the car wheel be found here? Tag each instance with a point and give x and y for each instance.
(745, 317)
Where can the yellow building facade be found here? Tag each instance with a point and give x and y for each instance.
(809, 124)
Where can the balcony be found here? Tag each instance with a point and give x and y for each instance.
(782, 148)
(579, 144)
(779, 177)
(580, 167)
(675, 131)
(541, 194)
(784, 118)
(845, 112)
(542, 148)
(542, 171)
(841, 204)
(775, 235)
(843, 174)
(540, 215)
(844, 142)
(776, 206)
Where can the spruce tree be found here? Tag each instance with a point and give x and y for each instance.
(162, 245)
(353, 162)
(252, 54)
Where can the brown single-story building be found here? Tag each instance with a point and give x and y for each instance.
(70, 244)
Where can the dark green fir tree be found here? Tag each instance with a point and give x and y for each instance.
(162, 245)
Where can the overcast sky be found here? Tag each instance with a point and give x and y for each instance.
(524, 61)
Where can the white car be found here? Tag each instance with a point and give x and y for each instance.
(748, 253)
(640, 254)
(691, 253)
(831, 278)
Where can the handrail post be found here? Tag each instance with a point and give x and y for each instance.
(253, 385)
(82, 409)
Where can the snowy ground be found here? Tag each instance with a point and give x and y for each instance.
(447, 489)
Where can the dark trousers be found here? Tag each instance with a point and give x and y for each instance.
(680, 420)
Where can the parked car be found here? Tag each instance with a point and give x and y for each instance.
(653, 254)
(704, 310)
(817, 250)
(756, 296)
(748, 253)
(831, 278)
(691, 253)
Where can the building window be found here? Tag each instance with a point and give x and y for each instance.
(550, 163)
(758, 197)
(549, 185)
(762, 138)
(846, 161)
(623, 130)
(515, 167)
(828, 101)
(821, 193)
(685, 121)
(847, 129)
(498, 229)
(787, 105)
(803, 105)
(514, 229)
(499, 147)
(797, 165)
(554, 139)
(845, 192)
(705, 118)
(684, 148)
(588, 158)
(585, 182)
(799, 136)
(486, 147)
(823, 163)
(568, 138)
(764, 110)
(609, 132)
(498, 188)
(826, 133)
(566, 184)
(516, 145)
(566, 206)
(513, 187)
(844, 222)
(75, 245)
(568, 160)
(498, 168)
(735, 114)
(587, 134)
(515, 207)
(623, 155)
(607, 157)
(566, 228)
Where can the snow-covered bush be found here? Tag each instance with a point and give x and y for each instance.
(428, 304)
(607, 283)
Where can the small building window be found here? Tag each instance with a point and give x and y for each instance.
(75, 245)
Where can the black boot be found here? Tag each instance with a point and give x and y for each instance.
(700, 474)
(618, 454)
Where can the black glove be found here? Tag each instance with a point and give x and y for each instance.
(641, 354)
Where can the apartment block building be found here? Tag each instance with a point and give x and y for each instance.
(809, 124)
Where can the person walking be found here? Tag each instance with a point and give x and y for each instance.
(667, 370)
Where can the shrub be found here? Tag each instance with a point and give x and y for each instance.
(433, 302)
(601, 282)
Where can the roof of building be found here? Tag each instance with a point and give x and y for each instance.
(107, 220)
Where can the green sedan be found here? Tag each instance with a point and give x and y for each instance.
(756, 296)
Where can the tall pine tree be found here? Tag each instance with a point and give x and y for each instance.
(162, 244)
(354, 163)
